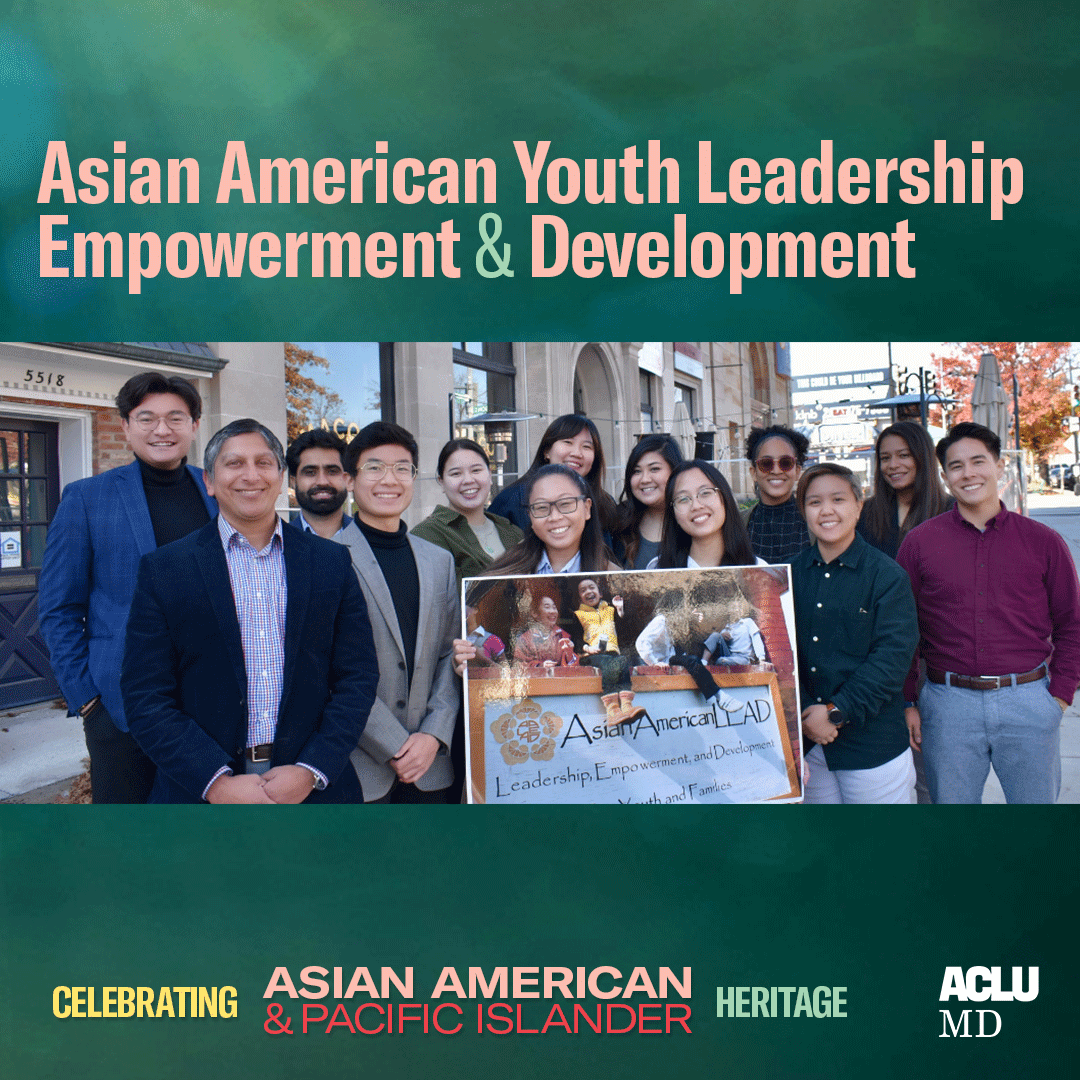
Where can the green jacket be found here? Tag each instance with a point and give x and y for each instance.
(449, 530)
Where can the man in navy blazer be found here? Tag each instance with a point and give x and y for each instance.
(101, 529)
(249, 669)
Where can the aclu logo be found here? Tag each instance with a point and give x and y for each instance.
(982, 984)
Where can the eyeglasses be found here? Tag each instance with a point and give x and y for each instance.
(765, 464)
(176, 421)
(703, 495)
(565, 506)
(374, 471)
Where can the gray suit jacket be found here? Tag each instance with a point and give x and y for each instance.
(431, 704)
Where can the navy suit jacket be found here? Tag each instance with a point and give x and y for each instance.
(99, 533)
(184, 681)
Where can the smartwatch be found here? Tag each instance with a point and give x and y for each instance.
(836, 717)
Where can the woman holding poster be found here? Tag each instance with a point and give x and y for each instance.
(856, 630)
(565, 536)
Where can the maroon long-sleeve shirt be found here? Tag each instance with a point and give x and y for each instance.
(996, 602)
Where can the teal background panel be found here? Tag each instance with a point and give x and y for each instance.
(465, 80)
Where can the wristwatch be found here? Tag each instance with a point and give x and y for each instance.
(836, 717)
(89, 707)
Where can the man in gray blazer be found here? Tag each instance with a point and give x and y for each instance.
(412, 599)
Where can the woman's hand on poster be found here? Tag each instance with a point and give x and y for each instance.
(463, 653)
(914, 726)
(816, 724)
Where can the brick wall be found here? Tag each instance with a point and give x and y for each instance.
(109, 447)
(765, 595)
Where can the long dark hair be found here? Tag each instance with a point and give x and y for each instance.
(928, 500)
(566, 427)
(524, 557)
(675, 544)
(631, 508)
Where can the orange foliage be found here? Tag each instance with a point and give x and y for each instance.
(306, 401)
(1041, 368)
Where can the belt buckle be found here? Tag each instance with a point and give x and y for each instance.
(260, 753)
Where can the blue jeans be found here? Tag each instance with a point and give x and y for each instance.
(1017, 729)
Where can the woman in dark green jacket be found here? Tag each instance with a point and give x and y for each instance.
(856, 629)
(474, 537)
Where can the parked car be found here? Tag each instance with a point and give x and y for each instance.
(1062, 476)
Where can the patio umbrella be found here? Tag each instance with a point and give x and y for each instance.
(989, 402)
(682, 429)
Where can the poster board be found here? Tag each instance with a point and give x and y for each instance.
(550, 721)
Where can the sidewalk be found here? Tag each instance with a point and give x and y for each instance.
(41, 751)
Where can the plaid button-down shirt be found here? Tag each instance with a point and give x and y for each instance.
(777, 533)
(260, 592)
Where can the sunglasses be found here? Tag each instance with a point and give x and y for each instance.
(765, 464)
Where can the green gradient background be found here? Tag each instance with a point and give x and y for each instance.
(465, 79)
(878, 900)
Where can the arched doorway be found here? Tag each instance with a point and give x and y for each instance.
(595, 397)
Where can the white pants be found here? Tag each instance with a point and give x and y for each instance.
(893, 782)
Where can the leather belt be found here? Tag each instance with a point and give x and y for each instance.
(261, 752)
(984, 682)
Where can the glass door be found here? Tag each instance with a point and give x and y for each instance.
(29, 493)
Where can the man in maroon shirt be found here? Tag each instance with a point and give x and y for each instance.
(999, 618)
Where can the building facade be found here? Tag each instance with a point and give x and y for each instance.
(708, 394)
(58, 420)
(58, 423)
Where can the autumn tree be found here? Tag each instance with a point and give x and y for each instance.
(307, 402)
(1041, 369)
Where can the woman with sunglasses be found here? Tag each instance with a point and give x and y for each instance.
(572, 441)
(641, 510)
(474, 537)
(702, 526)
(776, 455)
(565, 537)
(906, 487)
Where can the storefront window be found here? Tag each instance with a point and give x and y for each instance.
(484, 383)
(352, 389)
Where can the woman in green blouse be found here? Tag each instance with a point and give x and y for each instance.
(472, 535)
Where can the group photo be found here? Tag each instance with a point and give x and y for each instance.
(392, 572)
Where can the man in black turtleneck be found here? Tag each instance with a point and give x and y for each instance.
(411, 593)
(101, 529)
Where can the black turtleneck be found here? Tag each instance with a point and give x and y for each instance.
(398, 565)
(174, 500)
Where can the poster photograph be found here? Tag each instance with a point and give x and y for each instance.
(662, 687)
(632, 887)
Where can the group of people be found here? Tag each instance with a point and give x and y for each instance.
(216, 654)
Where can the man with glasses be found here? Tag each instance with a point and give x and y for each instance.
(103, 526)
(412, 598)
